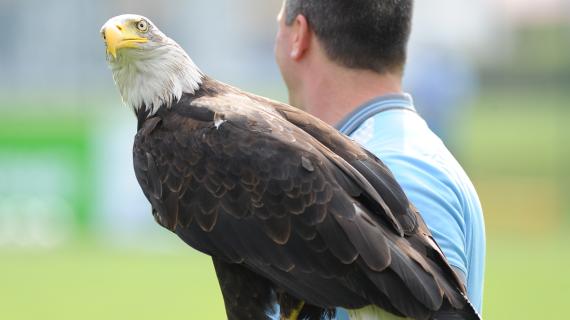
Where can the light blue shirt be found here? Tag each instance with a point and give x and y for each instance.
(433, 180)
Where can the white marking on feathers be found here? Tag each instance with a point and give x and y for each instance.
(219, 119)
(219, 122)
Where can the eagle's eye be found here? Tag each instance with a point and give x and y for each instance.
(142, 25)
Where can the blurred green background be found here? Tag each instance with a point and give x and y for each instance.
(77, 240)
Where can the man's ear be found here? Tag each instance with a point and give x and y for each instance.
(301, 37)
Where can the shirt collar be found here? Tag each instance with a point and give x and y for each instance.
(371, 108)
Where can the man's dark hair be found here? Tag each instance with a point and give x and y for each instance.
(359, 34)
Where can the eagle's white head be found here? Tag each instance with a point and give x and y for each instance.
(149, 68)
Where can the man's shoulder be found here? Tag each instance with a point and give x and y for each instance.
(389, 127)
(416, 155)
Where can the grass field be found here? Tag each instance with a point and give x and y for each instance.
(90, 282)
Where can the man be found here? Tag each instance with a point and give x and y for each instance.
(343, 61)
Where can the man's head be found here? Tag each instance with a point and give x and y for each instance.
(368, 35)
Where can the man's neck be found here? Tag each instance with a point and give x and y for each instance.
(332, 93)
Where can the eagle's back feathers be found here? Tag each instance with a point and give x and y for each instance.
(280, 194)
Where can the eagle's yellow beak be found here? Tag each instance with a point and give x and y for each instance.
(118, 36)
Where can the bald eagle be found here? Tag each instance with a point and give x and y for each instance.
(292, 212)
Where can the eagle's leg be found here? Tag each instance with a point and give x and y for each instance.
(297, 311)
(247, 296)
(289, 307)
